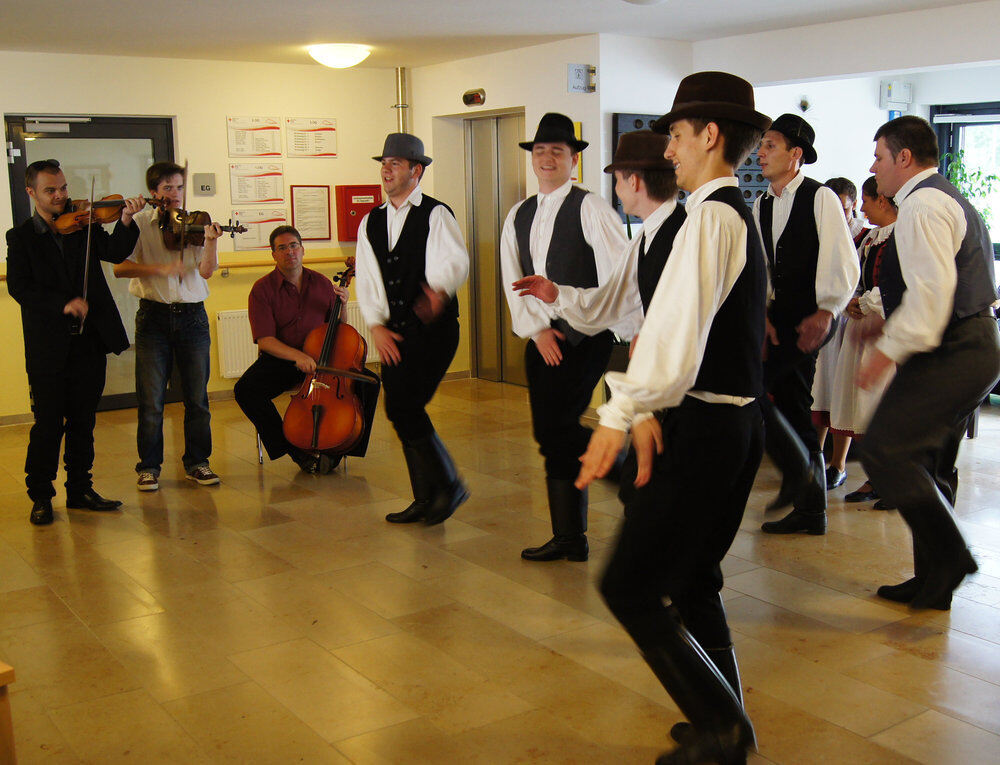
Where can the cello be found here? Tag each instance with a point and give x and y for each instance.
(327, 415)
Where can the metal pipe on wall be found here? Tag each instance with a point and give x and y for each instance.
(402, 106)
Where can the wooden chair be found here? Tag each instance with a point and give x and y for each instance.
(7, 756)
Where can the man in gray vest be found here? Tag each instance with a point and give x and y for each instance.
(943, 337)
(813, 269)
(572, 237)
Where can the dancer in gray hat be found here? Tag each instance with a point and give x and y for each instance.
(411, 260)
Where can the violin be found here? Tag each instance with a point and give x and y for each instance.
(326, 415)
(106, 210)
(181, 228)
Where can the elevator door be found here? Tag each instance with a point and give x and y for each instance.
(494, 184)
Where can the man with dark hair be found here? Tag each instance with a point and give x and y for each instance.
(284, 307)
(647, 187)
(813, 268)
(572, 237)
(938, 292)
(171, 327)
(411, 262)
(66, 337)
(690, 399)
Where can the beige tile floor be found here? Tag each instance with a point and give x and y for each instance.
(278, 618)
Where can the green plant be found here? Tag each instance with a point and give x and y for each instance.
(974, 184)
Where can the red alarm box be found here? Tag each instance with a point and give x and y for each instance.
(353, 203)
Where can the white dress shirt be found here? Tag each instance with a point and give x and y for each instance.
(707, 258)
(191, 287)
(602, 230)
(446, 266)
(929, 230)
(870, 301)
(837, 270)
(616, 304)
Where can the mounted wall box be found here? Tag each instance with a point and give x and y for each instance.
(474, 97)
(203, 184)
(353, 203)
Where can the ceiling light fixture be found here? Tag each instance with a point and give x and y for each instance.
(644, 2)
(339, 55)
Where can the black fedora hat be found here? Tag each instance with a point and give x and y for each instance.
(717, 95)
(555, 128)
(799, 132)
(640, 150)
(404, 146)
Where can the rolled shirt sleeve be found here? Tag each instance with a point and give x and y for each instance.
(837, 266)
(368, 287)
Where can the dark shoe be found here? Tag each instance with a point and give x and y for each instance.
(328, 463)
(203, 476)
(41, 512)
(861, 496)
(91, 500)
(834, 477)
(307, 462)
(883, 505)
(941, 582)
(797, 522)
(419, 485)
(575, 548)
(448, 491)
(147, 481)
(903, 592)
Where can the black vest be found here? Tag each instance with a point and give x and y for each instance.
(657, 251)
(403, 267)
(793, 257)
(570, 260)
(890, 278)
(732, 363)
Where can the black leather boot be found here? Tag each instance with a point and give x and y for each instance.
(906, 591)
(420, 486)
(724, 660)
(809, 513)
(942, 580)
(789, 455)
(720, 730)
(568, 508)
(447, 489)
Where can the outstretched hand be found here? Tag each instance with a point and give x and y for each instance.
(602, 451)
(538, 286)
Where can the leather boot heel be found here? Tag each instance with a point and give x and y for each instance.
(903, 592)
(419, 484)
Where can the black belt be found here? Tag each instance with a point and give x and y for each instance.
(154, 305)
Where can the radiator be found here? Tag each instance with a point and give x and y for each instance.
(237, 350)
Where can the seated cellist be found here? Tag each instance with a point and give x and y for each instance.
(284, 307)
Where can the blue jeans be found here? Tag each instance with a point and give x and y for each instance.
(165, 334)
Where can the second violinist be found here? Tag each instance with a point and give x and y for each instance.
(171, 326)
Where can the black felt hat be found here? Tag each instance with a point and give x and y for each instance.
(555, 128)
(404, 146)
(713, 95)
(640, 150)
(799, 132)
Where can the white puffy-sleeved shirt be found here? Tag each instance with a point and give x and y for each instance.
(447, 261)
(602, 230)
(190, 287)
(837, 270)
(616, 304)
(707, 258)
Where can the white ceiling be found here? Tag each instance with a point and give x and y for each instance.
(403, 33)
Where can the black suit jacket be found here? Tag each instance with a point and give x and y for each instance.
(43, 280)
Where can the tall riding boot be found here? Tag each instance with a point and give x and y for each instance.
(568, 508)
(904, 592)
(785, 449)
(809, 513)
(721, 733)
(420, 485)
(447, 489)
(947, 557)
(724, 660)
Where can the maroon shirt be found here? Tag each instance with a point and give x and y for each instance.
(279, 310)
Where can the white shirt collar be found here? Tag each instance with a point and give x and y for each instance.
(791, 188)
(699, 194)
(416, 196)
(656, 218)
(561, 193)
(907, 188)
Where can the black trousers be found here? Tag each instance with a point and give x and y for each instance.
(911, 444)
(427, 352)
(266, 379)
(678, 528)
(788, 378)
(559, 395)
(64, 401)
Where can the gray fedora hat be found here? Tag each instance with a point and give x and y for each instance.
(404, 146)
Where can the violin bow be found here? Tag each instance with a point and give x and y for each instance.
(184, 197)
(86, 257)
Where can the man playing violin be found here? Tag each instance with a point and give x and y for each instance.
(171, 327)
(284, 307)
(45, 273)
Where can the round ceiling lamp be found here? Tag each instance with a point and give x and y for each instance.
(339, 55)
(644, 2)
